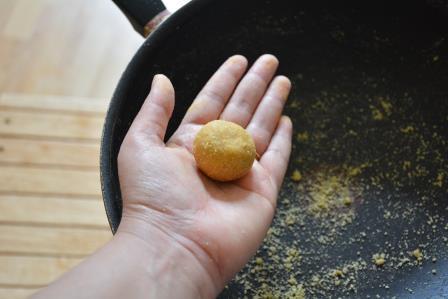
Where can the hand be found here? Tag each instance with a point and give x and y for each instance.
(220, 225)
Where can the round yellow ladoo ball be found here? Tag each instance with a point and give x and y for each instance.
(224, 151)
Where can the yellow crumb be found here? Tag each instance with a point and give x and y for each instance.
(439, 180)
(292, 281)
(354, 171)
(379, 259)
(337, 273)
(301, 137)
(290, 220)
(387, 106)
(347, 201)
(376, 113)
(406, 165)
(295, 292)
(294, 104)
(296, 176)
(408, 129)
(418, 254)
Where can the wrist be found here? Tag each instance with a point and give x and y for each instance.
(169, 265)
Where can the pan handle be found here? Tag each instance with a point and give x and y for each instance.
(144, 15)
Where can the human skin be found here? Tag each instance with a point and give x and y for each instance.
(183, 235)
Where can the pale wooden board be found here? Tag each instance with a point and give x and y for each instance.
(49, 152)
(49, 181)
(54, 103)
(33, 270)
(50, 125)
(61, 47)
(86, 56)
(54, 211)
(16, 293)
(59, 65)
(21, 28)
(51, 240)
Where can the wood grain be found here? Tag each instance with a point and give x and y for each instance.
(18, 27)
(28, 123)
(60, 61)
(57, 211)
(65, 104)
(44, 152)
(49, 181)
(51, 240)
(64, 47)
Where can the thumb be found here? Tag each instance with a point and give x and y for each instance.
(153, 117)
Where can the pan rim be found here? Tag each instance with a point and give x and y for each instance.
(110, 198)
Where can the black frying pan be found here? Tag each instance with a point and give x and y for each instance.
(370, 107)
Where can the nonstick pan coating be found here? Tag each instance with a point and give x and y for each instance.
(370, 112)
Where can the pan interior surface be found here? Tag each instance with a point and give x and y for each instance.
(364, 207)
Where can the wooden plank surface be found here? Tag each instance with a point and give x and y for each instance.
(22, 28)
(44, 152)
(58, 211)
(65, 104)
(43, 124)
(59, 65)
(33, 271)
(61, 47)
(51, 240)
(49, 181)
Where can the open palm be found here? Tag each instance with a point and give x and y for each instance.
(223, 224)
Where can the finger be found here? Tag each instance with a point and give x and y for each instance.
(250, 91)
(184, 136)
(275, 159)
(266, 117)
(153, 117)
(211, 100)
(258, 179)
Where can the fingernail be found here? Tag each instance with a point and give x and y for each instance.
(287, 119)
(155, 79)
(269, 59)
(237, 59)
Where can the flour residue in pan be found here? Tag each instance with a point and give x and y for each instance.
(369, 199)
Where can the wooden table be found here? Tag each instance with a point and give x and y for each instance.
(59, 63)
